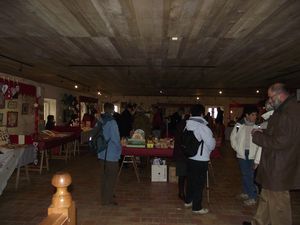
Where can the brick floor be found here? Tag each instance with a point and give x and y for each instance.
(142, 203)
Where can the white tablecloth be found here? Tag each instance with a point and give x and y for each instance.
(13, 158)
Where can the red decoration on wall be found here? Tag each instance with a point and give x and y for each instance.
(11, 89)
(24, 89)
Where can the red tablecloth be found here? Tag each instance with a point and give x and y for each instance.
(75, 130)
(49, 142)
(155, 152)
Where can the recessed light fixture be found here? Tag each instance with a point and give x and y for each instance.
(99, 93)
(220, 92)
(76, 86)
(231, 111)
(257, 91)
(160, 91)
(174, 38)
(197, 98)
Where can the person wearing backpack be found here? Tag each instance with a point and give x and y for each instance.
(109, 158)
(197, 165)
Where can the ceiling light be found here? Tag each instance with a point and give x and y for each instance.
(257, 91)
(197, 98)
(174, 38)
(76, 86)
(161, 91)
(99, 93)
(220, 92)
(231, 111)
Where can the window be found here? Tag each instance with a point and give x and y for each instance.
(213, 111)
(49, 108)
(116, 108)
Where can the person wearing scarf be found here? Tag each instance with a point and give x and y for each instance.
(241, 142)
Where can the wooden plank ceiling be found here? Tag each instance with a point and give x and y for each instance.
(124, 47)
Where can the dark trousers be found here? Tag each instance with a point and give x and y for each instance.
(108, 178)
(196, 177)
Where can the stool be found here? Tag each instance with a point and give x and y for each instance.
(76, 147)
(130, 159)
(44, 156)
(18, 175)
(209, 170)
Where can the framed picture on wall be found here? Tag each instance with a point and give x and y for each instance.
(12, 119)
(2, 101)
(1, 119)
(25, 108)
(12, 104)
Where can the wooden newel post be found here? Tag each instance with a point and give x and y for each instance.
(62, 200)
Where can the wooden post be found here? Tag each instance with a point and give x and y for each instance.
(62, 210)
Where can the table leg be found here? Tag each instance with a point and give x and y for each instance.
(207, 186)
(47, 159)
(211, 170)
(18, 177)
(42, 160)
(135, 169)
(27, 173)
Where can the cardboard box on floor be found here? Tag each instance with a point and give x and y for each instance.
(172, 175)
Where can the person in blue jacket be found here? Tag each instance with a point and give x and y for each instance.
(109, 158)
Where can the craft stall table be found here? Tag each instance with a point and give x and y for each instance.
(77, 133)
(130, 153)
(14, 156)
(48, 142)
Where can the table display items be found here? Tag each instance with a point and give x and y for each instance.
(137, 140)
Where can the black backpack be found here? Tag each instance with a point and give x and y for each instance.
(97, 142)
(190, 144)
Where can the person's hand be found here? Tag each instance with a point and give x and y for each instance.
(255, 166)
(256, 130)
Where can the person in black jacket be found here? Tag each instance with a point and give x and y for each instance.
(126, 120)
(50, 122)
(180, 159)
(175, 119)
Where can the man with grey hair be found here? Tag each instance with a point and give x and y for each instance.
(279, 169)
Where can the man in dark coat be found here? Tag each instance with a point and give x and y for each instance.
(126, 120)
(279, 169)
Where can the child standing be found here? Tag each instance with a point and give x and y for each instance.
(241, 142)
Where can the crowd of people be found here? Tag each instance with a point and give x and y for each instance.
(269, 149)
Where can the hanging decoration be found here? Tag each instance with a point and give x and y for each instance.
(12, 88)
(71, 109)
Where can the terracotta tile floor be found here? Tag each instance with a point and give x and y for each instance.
(142, 203)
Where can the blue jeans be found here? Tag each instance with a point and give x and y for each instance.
(246, 166)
